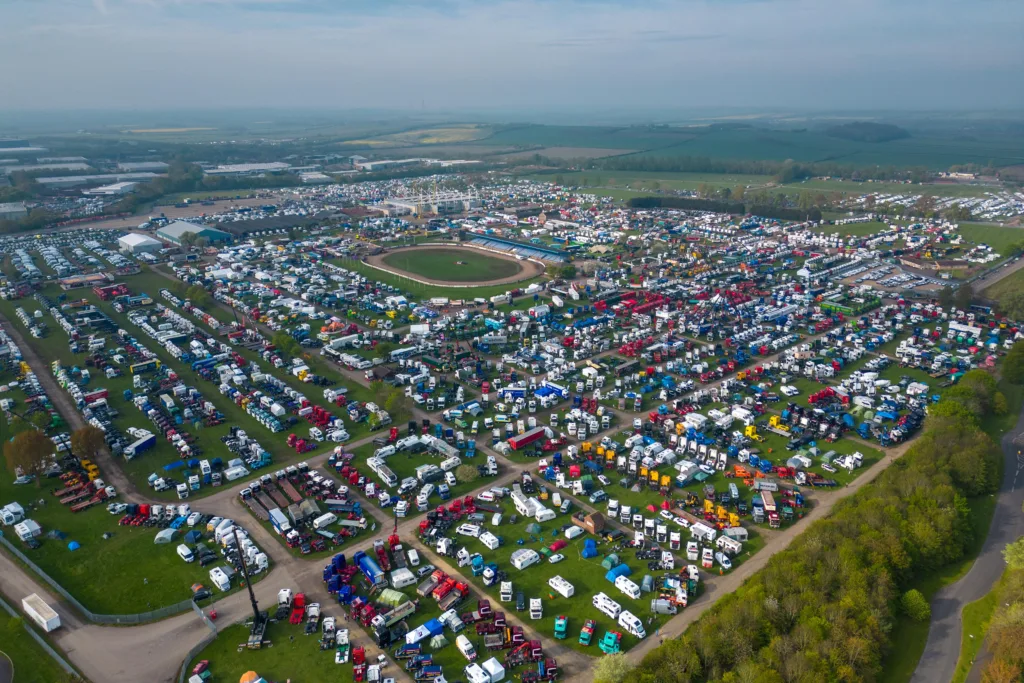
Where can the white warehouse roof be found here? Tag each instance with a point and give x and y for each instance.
(134, 239)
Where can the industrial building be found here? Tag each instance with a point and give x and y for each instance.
(111, 190)
(12, 211)
(66, 181)
(248, 169)
(172, 232)
(60, 166)
(136, 166)
(134, 243)
(384, 164)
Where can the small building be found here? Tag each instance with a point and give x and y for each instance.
(172, 232)
(134, 243)
(12, 211)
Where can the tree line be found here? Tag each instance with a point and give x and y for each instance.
(824, 608)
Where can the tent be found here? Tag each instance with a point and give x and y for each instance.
(533, 528)
(391, 597)
(193, 536)
(610, 561)
(438, 642)
(73, 545)
(164, 536)
(250, 677)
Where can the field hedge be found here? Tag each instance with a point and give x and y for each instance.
(822, 609)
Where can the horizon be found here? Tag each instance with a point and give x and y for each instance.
(556, 57)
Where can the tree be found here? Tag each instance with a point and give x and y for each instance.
(1013, 553)
(612, 669)
(88, 442)
(1013, 365)
(188, 239)
(738, 192)
(29, 453)
(466, 473)
(1000, 671)
(964, 295)
(915, 606)
(999, 404)
(946, 296)
(40, 419)
(383, 349)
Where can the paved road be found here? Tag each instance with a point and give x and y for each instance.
(941, 652)
(997, 275)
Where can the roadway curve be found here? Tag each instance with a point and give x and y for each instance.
(941, 652)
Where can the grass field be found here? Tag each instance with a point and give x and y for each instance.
(419, 291)
(993, 235)
(856, 229)
(455, 265)
(293, 656)
(31, 663)
(637, 180)
(123, 574)
(857, 188)
(1011, 283)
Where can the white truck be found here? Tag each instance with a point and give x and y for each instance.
(41, 613)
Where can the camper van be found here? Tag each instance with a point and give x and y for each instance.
(607, 606)
(632, 624)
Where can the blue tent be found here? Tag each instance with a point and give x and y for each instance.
(193, 536)
(74, 545)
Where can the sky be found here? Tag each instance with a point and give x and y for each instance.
(522, 54)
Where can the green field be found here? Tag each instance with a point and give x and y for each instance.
(455, 265)
(852, 187)
(856, 229)
(419, 291)
(31, 663)
(1011, 283)
(123, 574)
(293, 656)
(994, 236)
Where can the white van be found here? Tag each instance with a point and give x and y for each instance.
(632, 624)
(573, 531)
(414, 557)
(185, 553)
(465, 647)
(723, 560)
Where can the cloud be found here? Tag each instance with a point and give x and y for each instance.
(498, 54)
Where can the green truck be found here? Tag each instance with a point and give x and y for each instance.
(561, 623)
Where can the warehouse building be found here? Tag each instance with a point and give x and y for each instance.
(235, 170)
(111, 190)
(172, 232)
(12, 211)
(60, 166)
(134, 243)
(136, 166)
(66, 181)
